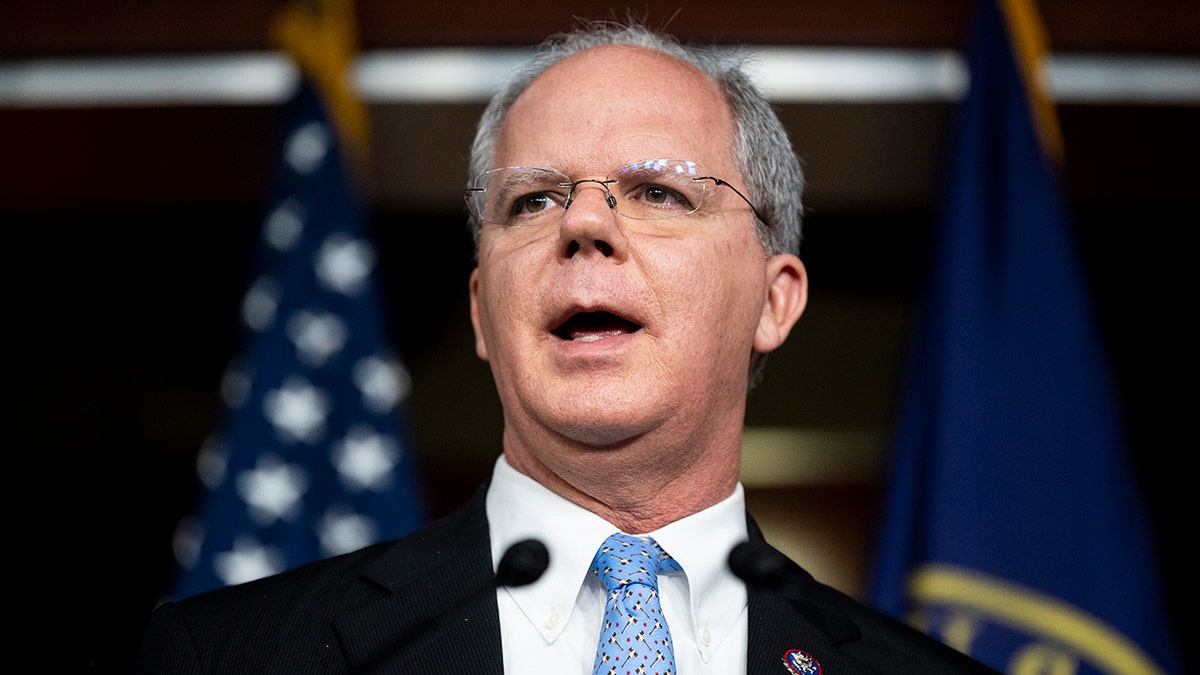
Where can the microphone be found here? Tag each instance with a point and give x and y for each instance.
(759, 565)
(521, 564)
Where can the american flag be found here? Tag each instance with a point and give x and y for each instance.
(312, 458)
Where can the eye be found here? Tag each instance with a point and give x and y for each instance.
(658, 199)
(532, 204)
(528, 197)
(664, 196)
(658, 188)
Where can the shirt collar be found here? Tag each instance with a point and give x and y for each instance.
(701, 543)
(519, 508)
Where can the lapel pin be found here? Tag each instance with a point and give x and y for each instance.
(800, 663)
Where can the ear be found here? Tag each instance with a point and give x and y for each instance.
(480, 345)
(787, 295)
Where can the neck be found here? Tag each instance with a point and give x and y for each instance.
(638, 486)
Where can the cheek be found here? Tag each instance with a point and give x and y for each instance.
(716, 290)
(503, 294)
(491, 300)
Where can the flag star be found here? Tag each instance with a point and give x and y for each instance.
(249, 560)
(341, 531)
(260, 303)
(344, 264)
(297, 409)
(384, 383)
(306, 147)
(365, 459)
(272, 489)
(317, 336)
(284, 225)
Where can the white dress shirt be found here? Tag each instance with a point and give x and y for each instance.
(553, 624)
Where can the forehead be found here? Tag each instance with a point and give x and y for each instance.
(614, 104)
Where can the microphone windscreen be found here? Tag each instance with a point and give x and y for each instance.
(523, 563)
(757, 564)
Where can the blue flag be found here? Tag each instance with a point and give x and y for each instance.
(1013, 528)
(313, 457)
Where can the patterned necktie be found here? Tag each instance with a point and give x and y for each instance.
(635, 638)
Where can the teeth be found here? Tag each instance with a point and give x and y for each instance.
(589, 338)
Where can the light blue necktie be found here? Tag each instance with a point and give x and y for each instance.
(634, 638)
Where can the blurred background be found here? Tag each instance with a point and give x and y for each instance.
(129, 222)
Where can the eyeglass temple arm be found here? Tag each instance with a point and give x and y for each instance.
(757, 214)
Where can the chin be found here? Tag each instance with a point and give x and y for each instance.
(601, 437)
(604, 424)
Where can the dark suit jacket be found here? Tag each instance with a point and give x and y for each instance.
(423, 605)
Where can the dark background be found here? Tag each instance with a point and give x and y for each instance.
(127, 231)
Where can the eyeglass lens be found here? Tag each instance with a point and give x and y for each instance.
(647, 190)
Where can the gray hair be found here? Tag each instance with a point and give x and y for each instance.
(761, 149)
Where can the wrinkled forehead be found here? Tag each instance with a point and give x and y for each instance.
(614, 104)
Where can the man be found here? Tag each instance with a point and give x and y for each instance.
(636, 208)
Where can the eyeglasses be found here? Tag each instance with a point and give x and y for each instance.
(648, 190)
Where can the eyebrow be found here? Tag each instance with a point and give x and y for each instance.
(530, 177)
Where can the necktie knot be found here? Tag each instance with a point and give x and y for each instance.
(624, 559)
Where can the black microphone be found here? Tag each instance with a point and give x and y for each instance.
(762, 567)
(522, 564)
(759, 565)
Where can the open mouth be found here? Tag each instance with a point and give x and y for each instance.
(592, 326)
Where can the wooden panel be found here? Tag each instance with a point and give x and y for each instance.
(72, 27)
(112, 156)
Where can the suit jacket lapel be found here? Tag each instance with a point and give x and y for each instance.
(436, 613)
(792, 617)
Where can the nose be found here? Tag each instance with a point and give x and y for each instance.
(589, 223)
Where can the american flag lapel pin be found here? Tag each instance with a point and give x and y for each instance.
(799, 662)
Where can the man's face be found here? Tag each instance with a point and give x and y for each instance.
(601, 329)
